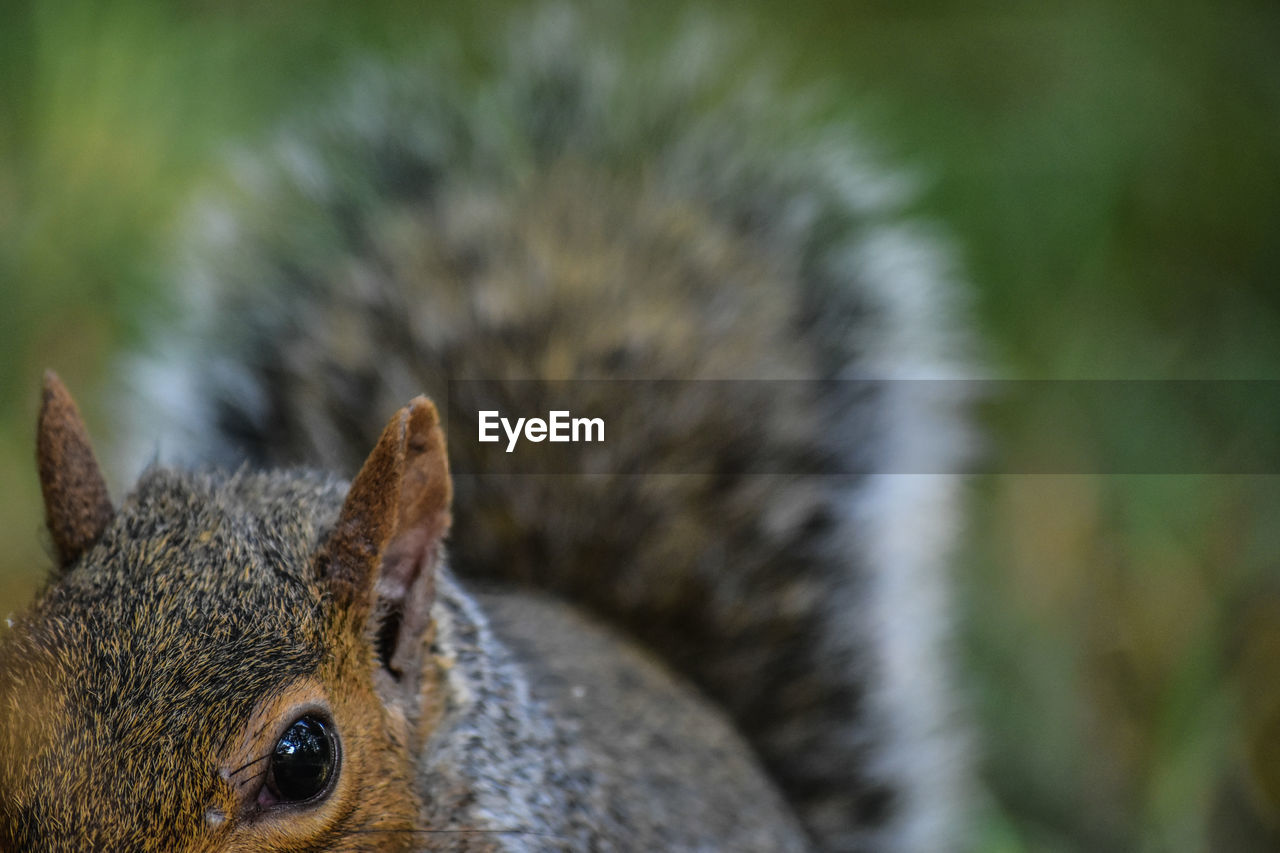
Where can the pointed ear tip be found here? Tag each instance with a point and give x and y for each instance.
(57, 406)
(422, 413)
(52, 385)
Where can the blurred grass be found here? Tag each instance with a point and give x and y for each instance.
(1111, 174)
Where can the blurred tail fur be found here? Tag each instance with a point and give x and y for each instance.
(592, 209)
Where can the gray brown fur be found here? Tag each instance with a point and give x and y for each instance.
(198, 600)
(192, 604)
(594, 213)
(578, 742)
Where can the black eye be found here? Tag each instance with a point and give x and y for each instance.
(304, 760)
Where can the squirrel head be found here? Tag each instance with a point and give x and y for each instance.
(225, 661)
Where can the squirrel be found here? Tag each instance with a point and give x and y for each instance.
(250, 652)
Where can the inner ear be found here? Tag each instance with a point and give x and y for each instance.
(382, 557)
(406, 585)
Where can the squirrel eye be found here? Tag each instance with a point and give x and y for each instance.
(304, 761)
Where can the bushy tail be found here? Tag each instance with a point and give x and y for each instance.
(592, 211)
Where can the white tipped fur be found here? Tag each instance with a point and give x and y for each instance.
(700, 133)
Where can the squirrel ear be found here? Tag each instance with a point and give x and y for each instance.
(381, 558)
(77, 507)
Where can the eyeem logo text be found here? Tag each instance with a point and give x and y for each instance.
(560, 426)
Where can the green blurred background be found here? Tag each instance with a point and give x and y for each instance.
(1111, 175)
